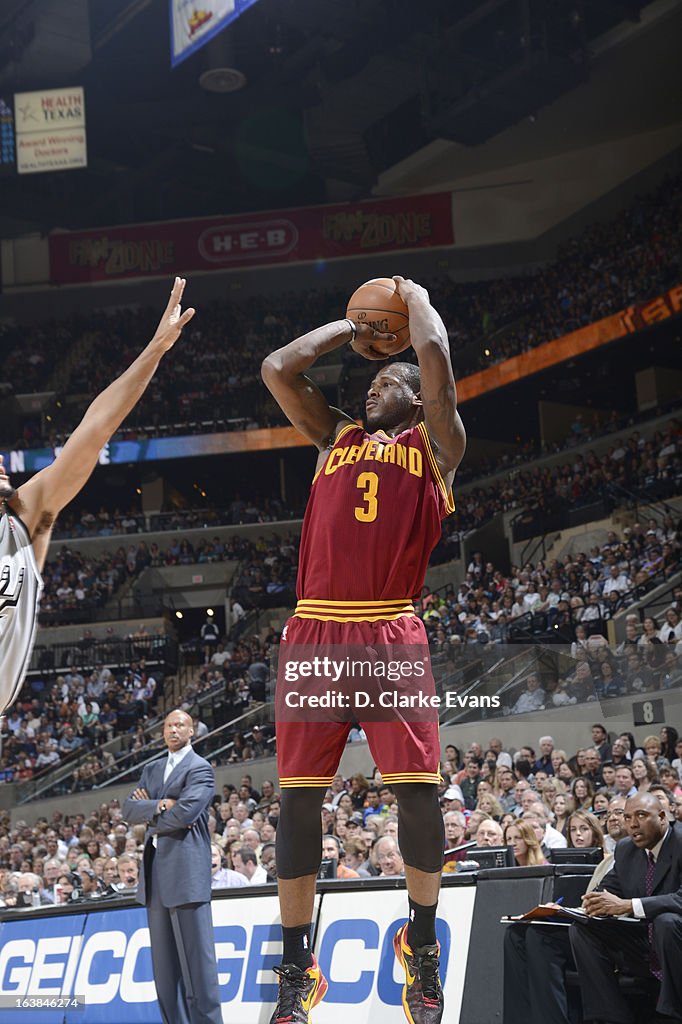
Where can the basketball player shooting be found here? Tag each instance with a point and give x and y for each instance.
(28, 513)
(373, 518)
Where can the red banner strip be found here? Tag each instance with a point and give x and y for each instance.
(259, 239)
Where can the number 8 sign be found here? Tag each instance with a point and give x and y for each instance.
(648, 712)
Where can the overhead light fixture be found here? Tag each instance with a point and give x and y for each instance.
(222, 80)
(221, 75)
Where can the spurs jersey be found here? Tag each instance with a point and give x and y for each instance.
(373, 518)
(20, 588)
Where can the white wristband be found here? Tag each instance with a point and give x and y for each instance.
(353, 330)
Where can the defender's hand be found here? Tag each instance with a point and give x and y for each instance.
(173, 320)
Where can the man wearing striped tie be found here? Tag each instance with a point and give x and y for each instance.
(173, 798)
(645, 883)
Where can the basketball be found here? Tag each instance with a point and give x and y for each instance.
(378, 303)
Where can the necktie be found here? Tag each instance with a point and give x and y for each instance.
(649, 888)
(170, 765)
(650, 872)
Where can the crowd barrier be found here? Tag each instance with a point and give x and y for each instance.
(98, 953)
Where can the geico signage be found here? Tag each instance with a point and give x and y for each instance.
(98, 968)
(356, 955)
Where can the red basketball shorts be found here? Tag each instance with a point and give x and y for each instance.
(404, 744)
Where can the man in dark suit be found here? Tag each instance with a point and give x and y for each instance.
(536, 957)
(646, 882)
(175, 884)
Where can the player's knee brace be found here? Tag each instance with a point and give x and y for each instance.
(420, 825)
(299, 832)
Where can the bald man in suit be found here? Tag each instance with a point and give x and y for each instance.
(536, 957)
(173, 798)
(645, 882)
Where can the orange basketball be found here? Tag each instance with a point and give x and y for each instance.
(378, 303)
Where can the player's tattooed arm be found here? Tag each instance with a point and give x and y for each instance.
(438, 389)
(298, 397)
(302, 402)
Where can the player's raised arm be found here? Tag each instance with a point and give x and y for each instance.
(438, 390)
(40, 500)
(298, 397)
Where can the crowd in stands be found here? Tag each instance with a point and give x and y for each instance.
(645, 467)
(68, 721)
(72, 582)
(532, 800)
(66, 724)
(92, 703)
(583, 430)
(651, 468)
(45, 344)
(213, 382)
(577, 595)
(582, 480)
(568, 602)
(605, 269)
(75, 524)
(267, 576)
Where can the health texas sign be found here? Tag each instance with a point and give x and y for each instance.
(216, 243)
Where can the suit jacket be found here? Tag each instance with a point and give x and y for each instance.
(627, 876)
(183, 851)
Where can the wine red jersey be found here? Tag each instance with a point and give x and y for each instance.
(373, 518)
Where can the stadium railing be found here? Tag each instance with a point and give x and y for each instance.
(216, 744)
(497, 671)
(527, 526)
(55, 776)
(159, 652)
(634, 600)
(638, 500)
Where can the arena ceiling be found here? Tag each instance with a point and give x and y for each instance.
(343, 98)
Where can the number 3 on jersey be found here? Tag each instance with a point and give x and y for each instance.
(369, 484)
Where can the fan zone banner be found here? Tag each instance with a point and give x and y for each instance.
(194, 22)
(302, 234)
